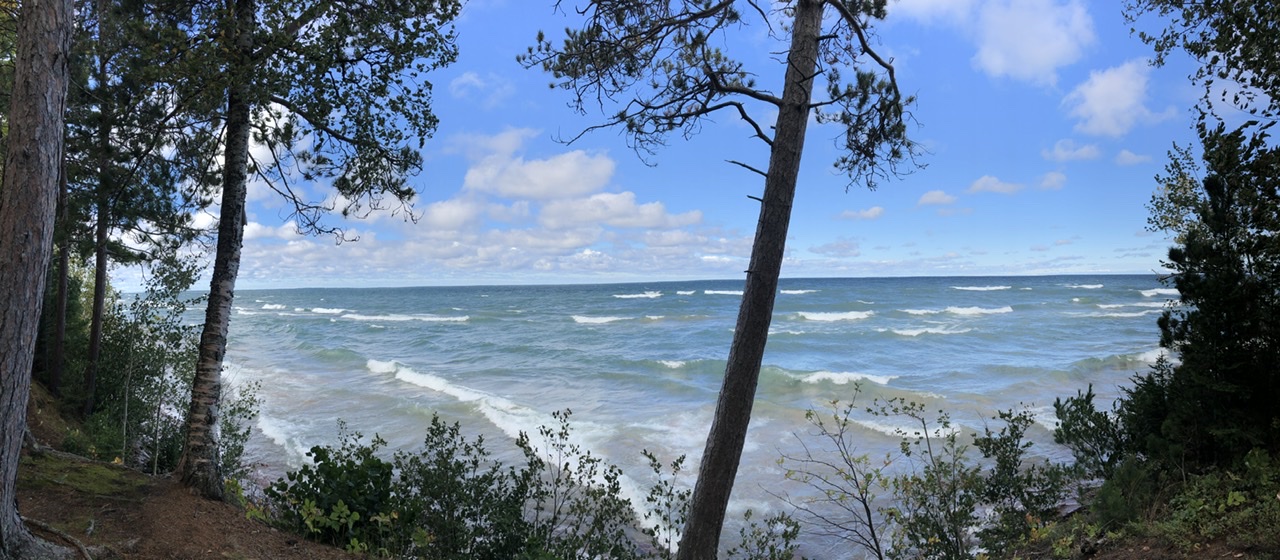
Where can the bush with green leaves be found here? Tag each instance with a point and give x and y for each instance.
(453, 500)
(1094, 437)
(1023, 493)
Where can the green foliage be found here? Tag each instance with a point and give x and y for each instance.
(452, 500)
(668, 505)
(1217, 403)
(1093, 436)
(341, 487)
(461, 502)
(1240, 506)
(240, 407)
(1023, 493)
(775, 539)
(937, 502)
(1128, 494)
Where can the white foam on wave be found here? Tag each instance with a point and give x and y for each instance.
(403, 318)
(929, 330)
(1123, 314)
(1085, 286)
(1152, 356)
(673, 364)
(846, 377)
(827, 317)
(514, 419)
(273, 306)
(686, 292)
(1161, 292)
(722, 292)
(328, 310)
(981, 288)
(798, 292)
(645, 295)
(922, 311)
(979, 310)
(584, 320)
(243, 311)
(903, 430)
(284, 434)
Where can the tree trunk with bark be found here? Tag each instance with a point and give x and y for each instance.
(728, 432)
(27, 204)
(99, 303)
(200, 467)
(57, 358)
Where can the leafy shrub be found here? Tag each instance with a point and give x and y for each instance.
(335, 499)
(1093, 436)
(1023, 494)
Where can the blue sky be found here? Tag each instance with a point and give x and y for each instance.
(1042, 121)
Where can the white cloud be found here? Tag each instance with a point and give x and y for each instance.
(1053, 181)
(935, 198)
(255, 230)
(1112, 101)
(490, 90)
(1029, 40)
(1126, 157)
(1067, 150)
(868, 214)
(840, 248)
(612, 209)
(453, 214)
(565, 175)
(988, 183)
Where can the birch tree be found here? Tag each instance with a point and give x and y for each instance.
(27, 202)
(662, 66)
(335, 91)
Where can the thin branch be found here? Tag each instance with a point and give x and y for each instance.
(747, 167)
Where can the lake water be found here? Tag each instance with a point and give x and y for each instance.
(640, 365)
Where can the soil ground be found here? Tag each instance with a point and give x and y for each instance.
(121, 513)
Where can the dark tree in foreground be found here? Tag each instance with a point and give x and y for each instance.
(665, 57)
(1216, 401)
(335, 92)
(28, 198)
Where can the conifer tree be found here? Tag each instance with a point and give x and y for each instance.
(663, 60)
(336, 93)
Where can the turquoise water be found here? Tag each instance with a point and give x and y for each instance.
(640, 364)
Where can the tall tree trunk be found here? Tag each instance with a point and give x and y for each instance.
(57, 357)
(99, 299)
(200, 465)
(27, 204)
(728, 431)
(106, 185)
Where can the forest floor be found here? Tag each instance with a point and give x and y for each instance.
(118, 512)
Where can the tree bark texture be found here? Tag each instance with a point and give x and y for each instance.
(200, 465)
(28, 200)
(728, 431)
(57, 359)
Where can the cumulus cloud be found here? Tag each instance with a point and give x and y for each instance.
(1029, 40)
(1067, 150)
(840, 248)
(868, 214)
(490, 90)
(1126, 157)
(255, 230)
(1053, 181)
(453, 214)
(988, 183)
(1113, 101)
(613, 209)
(564, 175)
(937, 197)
